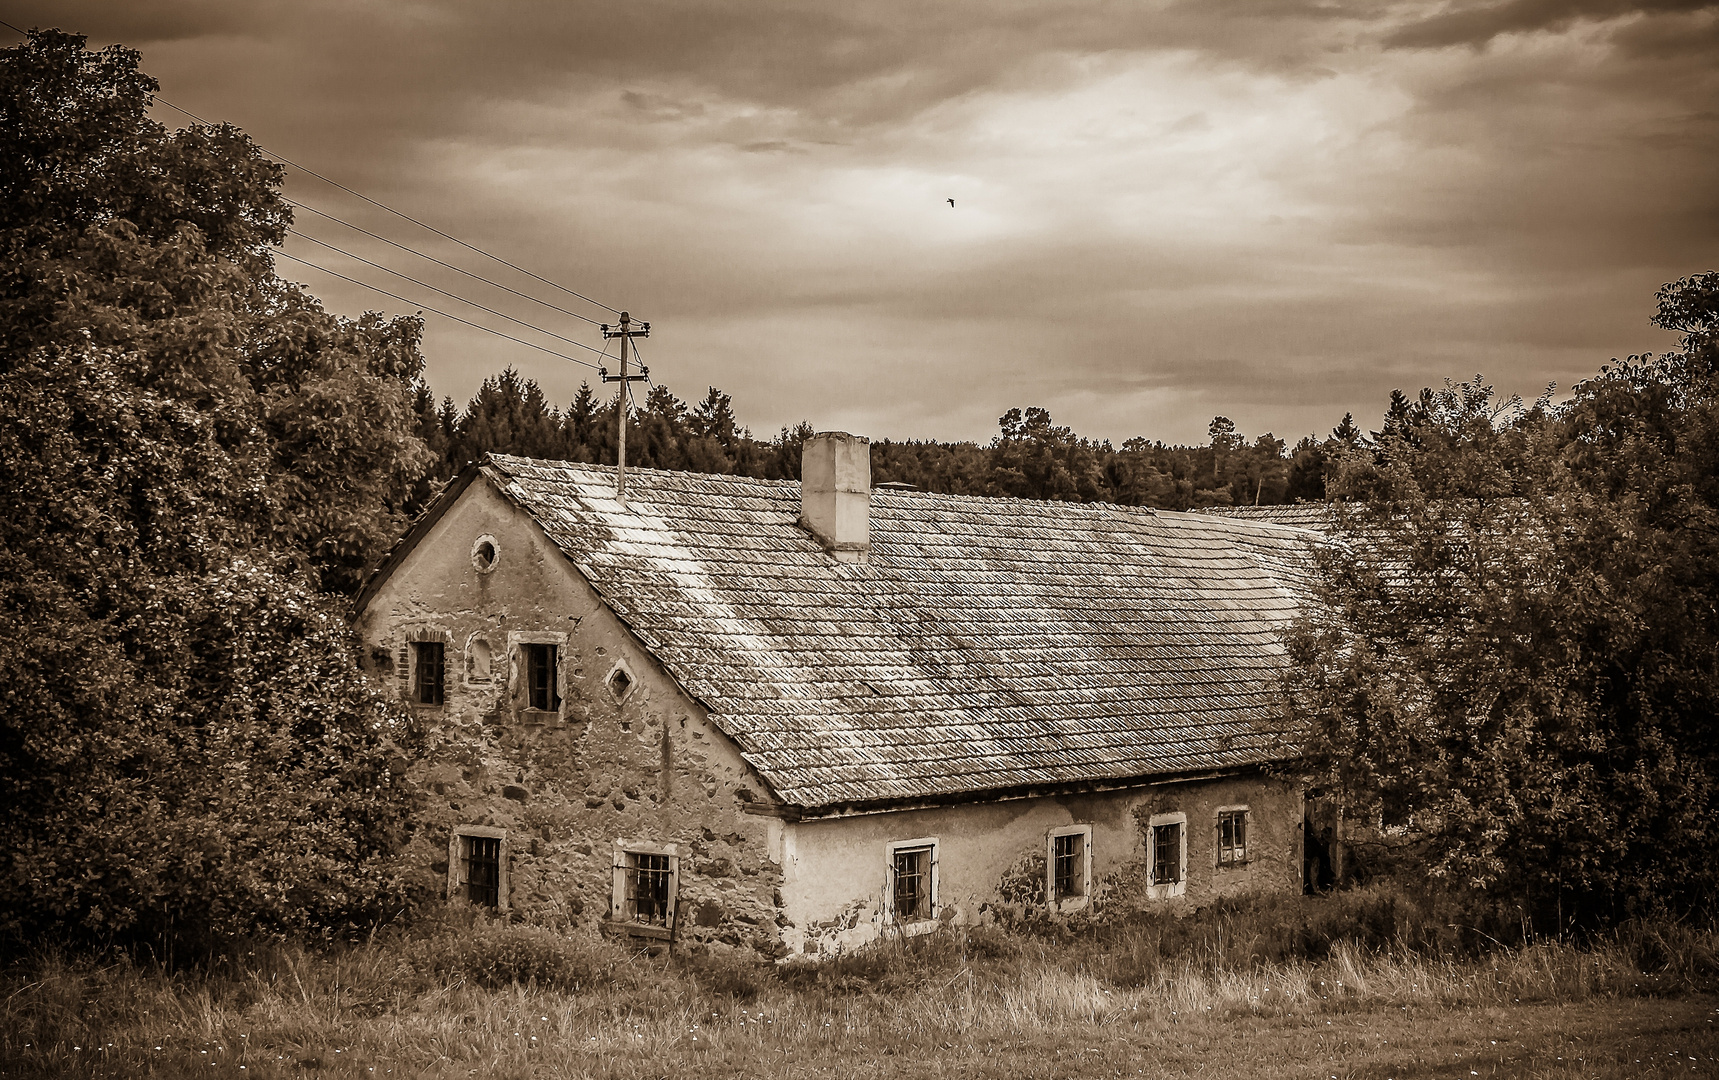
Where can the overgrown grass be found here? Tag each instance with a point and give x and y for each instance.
(517, 1001)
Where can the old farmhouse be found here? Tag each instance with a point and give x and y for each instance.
(796, 717)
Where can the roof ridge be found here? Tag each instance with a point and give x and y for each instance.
(1241, 523)
(633, 470)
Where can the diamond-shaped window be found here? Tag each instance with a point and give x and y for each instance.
(619, 683)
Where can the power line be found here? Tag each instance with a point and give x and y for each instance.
(644, 367)
(438, 262)
(408, 217)
(432, 288)
(444, 314)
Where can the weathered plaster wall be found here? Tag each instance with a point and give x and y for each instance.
(835, 869)
(565, 786)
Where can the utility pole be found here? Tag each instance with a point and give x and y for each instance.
(625, 334)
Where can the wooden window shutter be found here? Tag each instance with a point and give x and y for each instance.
(619, 903)
(1086, 865)
(673, 891)
(889, 882)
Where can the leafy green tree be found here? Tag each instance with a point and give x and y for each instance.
(1511, 671)
(1312, 461)
(659, 438)
(187, 748)
(120, 233)
(1304, 480)
(190, 448)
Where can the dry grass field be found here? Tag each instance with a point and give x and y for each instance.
(1154, 999)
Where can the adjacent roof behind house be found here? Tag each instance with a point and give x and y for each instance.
(1317, 516)
(988, 644)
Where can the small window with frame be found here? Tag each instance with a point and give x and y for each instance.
(477, 866)
(1167, 855)
(1232, 836)
(646, 887)
(429, 671)
(1068, 867)
(542, 668)
(911, 895)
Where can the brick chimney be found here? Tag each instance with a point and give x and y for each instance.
(835, 493)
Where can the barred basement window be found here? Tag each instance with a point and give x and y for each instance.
(649, 878)
(477, 865)
(647, 882)
(482, 869)
(1232, 837)
(912, 895)
(913, 884)
(541, 662)
(427, 672)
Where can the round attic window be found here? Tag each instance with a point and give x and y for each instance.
(485, 554)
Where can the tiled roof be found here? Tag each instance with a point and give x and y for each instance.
(1317, 516)
(987, 644)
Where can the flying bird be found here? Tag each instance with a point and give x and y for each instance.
(951, 202)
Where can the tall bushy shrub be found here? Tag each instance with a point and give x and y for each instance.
(1511, 673)
(190, 450)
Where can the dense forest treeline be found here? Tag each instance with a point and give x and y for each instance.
(1031, 457)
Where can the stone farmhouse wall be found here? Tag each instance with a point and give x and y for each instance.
(562, 788)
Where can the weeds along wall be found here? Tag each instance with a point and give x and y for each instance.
(996, 859)
(561, 774)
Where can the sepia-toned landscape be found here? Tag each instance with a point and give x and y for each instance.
(576, 730)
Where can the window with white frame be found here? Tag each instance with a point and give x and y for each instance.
(1068, 866)
(646, 884)
(1167, 855)
(911, 895)
(1232, 835)
(477, 866)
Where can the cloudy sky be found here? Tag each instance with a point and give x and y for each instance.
(1276, 210)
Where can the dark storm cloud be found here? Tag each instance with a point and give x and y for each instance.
(1477, 24)
(842, 64)
(1271, 209)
